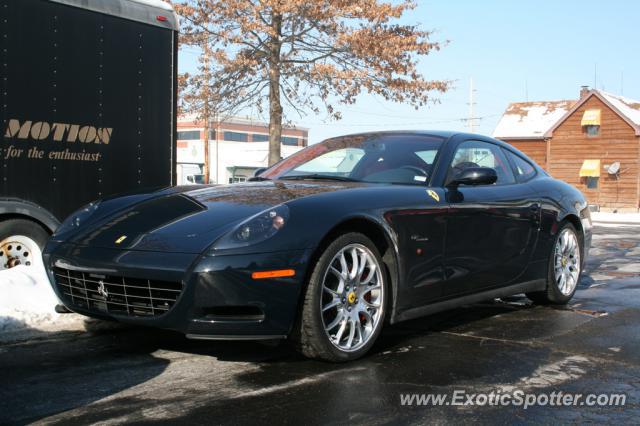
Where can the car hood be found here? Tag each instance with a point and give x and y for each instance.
(188, 220)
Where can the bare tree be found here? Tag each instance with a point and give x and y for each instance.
(307, 55)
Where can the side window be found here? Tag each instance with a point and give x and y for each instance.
(523, 169)
(481, 154)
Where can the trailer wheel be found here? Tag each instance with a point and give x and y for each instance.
(21, 243)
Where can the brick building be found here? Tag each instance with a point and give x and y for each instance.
(592, 143)
(237, 146)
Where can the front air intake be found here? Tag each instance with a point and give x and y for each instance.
(107, 294)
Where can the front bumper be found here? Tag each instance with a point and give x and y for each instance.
(219, 299)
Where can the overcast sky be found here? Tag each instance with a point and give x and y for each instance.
(513, 50)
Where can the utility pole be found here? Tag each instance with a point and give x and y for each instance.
(471, 120)
(217, 122)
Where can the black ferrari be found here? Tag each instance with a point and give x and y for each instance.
(329, 244)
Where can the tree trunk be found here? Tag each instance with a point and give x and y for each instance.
(206, 169)
(275, 105)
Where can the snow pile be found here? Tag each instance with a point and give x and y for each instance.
(627, 218)
(27, 305)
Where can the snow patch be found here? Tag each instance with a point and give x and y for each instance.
(27, 305)
(530, 119)
(628, 107)
(548, 375)
(621, 218)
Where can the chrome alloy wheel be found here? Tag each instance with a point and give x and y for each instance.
(352, 302)
(567, 262)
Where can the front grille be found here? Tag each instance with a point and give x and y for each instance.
(116, 295)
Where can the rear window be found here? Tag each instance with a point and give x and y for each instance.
(522, 168)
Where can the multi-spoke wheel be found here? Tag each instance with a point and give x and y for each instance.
(345, 302)
(565, 263)
(353, 298)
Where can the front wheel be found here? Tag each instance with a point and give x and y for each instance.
(565, 267)
(345, 302)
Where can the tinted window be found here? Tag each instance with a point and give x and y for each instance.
(189, 135)
(523, 169)
(236, 136)
(259, 138)
(481, 154)
(402, 159)
(286, 140)
(340, 162)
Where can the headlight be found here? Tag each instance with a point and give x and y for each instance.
(78, 218)
(255, 230)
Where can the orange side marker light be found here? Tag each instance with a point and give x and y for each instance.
(278, 273)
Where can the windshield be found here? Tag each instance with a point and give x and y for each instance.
(375, 158)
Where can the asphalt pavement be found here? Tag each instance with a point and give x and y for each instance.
(122, 374)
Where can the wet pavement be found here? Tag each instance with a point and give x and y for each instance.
(122, 374)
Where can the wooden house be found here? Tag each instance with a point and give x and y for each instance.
(592, 143)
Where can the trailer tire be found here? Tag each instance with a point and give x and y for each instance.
(21, 243)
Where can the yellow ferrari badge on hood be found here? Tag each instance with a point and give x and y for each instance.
(433, 194)
(121, 239)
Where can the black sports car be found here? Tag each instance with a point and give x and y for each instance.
(327, 245)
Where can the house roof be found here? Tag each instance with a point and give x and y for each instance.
(530, 120)
(538, 120)
(630, 108)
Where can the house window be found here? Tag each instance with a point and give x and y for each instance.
(592, 130)
(591, 122)
(189, 135)
(590, 170)
(236, 136)
(592, 182)
(286, 140)
(237, 179)
(212, 134)
(259, 138)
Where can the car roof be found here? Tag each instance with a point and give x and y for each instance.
(446, 134)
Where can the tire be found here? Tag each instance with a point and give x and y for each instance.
(339, 321)
(568, 260)
(21, 243)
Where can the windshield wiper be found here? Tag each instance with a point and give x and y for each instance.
(318, 177)
(258, 179)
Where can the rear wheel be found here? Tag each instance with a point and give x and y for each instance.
(21, 243)
(565, 268)
(345, 302)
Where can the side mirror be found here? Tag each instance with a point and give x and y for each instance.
(474, 176)
(259, 171)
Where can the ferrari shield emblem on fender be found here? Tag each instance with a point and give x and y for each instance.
(433, 194)
(121, 239)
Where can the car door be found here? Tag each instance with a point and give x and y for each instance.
(420, 228)
(491, 229)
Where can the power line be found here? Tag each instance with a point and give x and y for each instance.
(466, 119)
